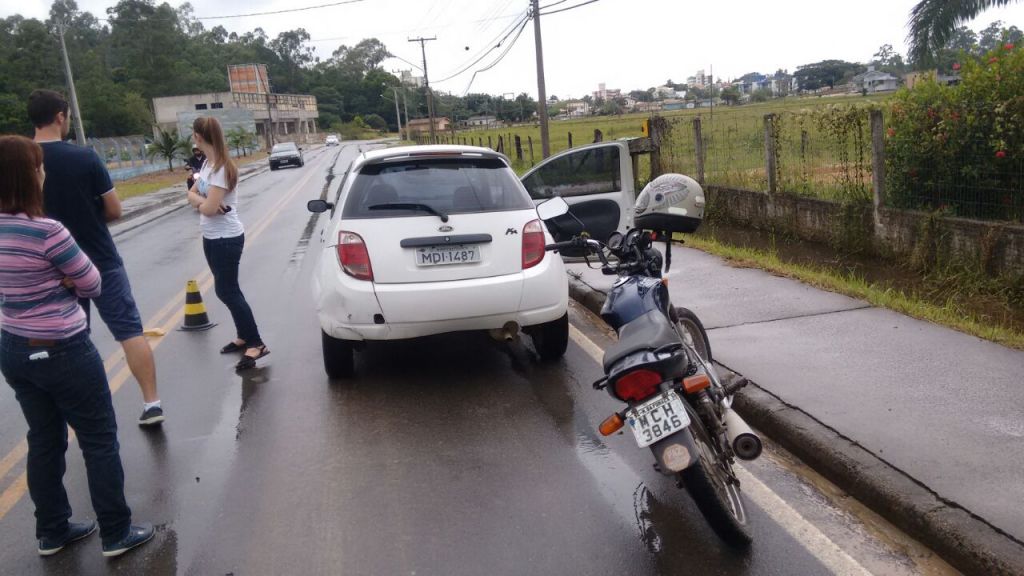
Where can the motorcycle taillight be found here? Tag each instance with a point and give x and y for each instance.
(637, 385)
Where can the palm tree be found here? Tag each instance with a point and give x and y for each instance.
(932, 23)
(170, 146)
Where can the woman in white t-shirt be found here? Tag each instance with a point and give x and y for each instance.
(215, 198)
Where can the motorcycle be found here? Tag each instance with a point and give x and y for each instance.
(661, 366)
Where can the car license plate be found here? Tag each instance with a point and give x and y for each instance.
(657, 418)
(442, 255)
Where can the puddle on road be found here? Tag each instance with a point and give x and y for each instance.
(295, 260)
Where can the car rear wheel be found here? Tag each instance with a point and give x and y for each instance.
(272, 167)
(339, 361)
(551, 338)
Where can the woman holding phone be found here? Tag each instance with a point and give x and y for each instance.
(215, 198)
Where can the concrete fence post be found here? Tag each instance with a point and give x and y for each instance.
(770, 153)
(598, 136)
(877, 160)
(529, 142)
(501, 144)
(489, 145)
(698, 145)
(519, 148)
(570, 139)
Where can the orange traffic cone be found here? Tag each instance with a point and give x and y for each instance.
(195, 311)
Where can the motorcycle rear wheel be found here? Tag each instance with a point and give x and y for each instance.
(719, 501)
(692, 331)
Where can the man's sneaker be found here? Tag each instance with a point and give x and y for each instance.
(151, 416)
(76, 531)
(137, 536)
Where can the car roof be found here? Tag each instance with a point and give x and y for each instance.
(425, 151)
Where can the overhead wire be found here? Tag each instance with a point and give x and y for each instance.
(499, 58)
(507, 31)
(227, 16)
(568, 8)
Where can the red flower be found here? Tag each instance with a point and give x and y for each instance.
(993, 60)
(1001, 154)
(956, 66)
(954, 116)
(890, 132)
(1008, 46)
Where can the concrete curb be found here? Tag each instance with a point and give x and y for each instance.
(963, 539)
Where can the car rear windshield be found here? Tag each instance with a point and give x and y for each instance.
(286, 147)
(448, 185)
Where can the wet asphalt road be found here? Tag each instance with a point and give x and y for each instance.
(448, 455)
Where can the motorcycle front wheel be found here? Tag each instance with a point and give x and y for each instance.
(719, 500)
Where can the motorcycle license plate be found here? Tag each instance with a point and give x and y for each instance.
(658, 418)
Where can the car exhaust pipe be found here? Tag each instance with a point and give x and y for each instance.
(745, 444)
(507, 333)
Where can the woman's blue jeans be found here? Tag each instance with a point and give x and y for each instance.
(60, 383)
(223, 256)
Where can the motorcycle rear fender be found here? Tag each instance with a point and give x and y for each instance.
(675, 453)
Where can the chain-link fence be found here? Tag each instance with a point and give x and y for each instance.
(976, 183)
(822, 156)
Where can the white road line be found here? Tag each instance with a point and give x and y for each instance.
(817, 543)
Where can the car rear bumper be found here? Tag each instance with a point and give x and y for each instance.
(357, 310)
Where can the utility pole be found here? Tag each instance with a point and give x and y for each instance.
(426, 82)
(79, 129)
(542, 105)
(398, 114)
(405, 104)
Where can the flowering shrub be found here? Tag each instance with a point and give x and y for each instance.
(961, 148)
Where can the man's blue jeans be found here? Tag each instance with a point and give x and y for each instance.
(58, 383)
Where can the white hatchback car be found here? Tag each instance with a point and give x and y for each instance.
(425, 240)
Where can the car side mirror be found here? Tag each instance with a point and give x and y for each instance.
(319, 206)
(553, 208)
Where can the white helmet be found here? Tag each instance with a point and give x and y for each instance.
(670, 203)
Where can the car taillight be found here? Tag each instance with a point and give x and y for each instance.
(533, 244)
(637, 385)
(355, 260)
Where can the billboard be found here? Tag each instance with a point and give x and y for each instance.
(248, 78)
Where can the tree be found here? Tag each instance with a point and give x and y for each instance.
(761, 95)
(376, 122)
(730, 95)
(241, 140)
(932, 23)
(826, 73)
(170, 146)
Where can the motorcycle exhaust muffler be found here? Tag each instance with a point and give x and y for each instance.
(745, 444)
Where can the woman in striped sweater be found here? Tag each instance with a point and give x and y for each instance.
(47, 358)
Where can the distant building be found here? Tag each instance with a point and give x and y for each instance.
(422, 125)
(648, 106)
(913, 78)
(483, 121)
(248, 104)
(409, 80)
(577, 108)
(603, 93)
(874, 81)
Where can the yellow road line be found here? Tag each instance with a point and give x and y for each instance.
(13, 494)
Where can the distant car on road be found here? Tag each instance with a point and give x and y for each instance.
(425, 240)
(285, 154)
(331, 140)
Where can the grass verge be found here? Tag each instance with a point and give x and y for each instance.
(948, 314)
(159, 180)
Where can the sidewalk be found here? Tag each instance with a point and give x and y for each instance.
(920, 422)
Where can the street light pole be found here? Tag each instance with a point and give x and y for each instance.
(79, 129)
(542, 106)
(426, 82)
(398, 113)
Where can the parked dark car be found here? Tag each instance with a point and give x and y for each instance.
(285, 154)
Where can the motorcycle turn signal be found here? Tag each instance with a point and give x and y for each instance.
(611, 425)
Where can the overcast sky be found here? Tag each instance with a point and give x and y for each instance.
(627, 44)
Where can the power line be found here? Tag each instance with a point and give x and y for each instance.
(569, 8)
(500, 56)
(493, 47)
(285, 11)
(553, 4)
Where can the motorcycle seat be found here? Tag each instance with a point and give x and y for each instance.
(648, 332)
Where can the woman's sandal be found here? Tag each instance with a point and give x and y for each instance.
(248, 362)
(233, 347)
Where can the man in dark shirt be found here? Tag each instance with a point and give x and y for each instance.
(194, 164)
(78, 192)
